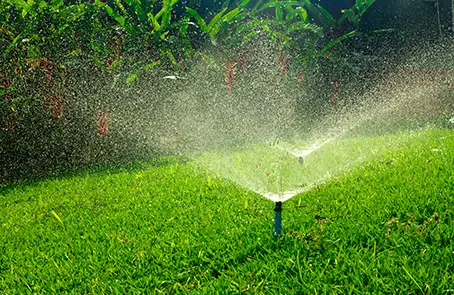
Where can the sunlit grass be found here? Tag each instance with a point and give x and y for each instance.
(384, 226)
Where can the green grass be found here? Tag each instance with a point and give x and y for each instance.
(385, 226)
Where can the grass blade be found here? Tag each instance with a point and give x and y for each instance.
(56, 216)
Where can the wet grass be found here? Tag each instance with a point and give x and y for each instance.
(383, 227)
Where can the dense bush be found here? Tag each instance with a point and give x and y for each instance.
(73, 69)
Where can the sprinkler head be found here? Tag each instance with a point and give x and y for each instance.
(301, 160)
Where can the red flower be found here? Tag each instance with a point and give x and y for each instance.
(241, 61)
(7, 96)
(10, 124)
(300, 79)
(46, 65)
(109, 62)
(202, 57)
(283, 63)
(55, 104)
(335, 91)
(230, 75)
(102, 122)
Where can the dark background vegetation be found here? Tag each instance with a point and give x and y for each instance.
(66, 62)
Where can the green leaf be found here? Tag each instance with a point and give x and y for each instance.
(55, 4)
(72, 13)
(315, 11)
(277, 36)
(98, 48)
(98, 61)
(19, 4)
(121, 7)
(225, 4)
(151, 65)
(33, 52)
(303, 14)
(115, 64)
(200, 21)
(213, 34)
(164, 35)
(121, 20)
(279, 13)
(131, 78)
(25, 7)
(326, 14)
(161, 12)
(381, 31)
(184, 25)
(166, 18)
(256, 7)
(347, 14)
(243, 3)
(112, 13)
(173, 60)
(7, 90)
(141, 15)
(8, 33)
(272, 3)
(291, 13)
(365, 6)
(214, 22)
(42, 5)
(154, 23)
(231, 15)
(62, 28)
(253, 24)
(249, 35)
(165, 10)
(337, 41)
(358, 4)
(12, 45)
(318, 31)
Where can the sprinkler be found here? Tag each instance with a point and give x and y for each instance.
(301, 161)
(277, 219)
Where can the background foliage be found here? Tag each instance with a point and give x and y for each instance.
(50, 51)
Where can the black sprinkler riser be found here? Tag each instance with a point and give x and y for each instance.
(277, 219)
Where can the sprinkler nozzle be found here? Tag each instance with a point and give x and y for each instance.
(301, 160)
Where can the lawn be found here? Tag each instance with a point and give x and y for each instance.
(384, 225)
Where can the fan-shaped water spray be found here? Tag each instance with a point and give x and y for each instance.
(288, 157)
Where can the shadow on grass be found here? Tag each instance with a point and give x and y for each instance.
(154, 161)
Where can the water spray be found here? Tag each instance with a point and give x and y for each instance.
(277, 219)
